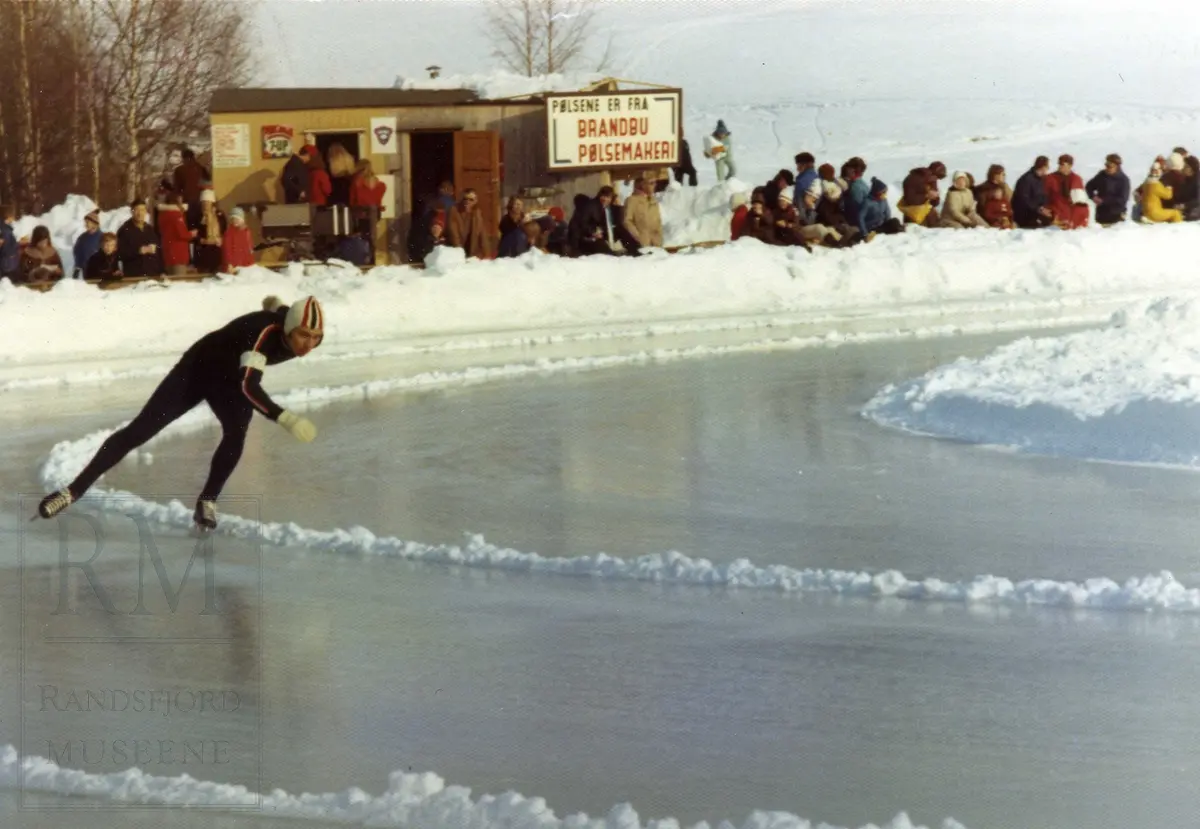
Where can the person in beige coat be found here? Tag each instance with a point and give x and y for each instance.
(466, 226)
(959, 206)
(643, 219)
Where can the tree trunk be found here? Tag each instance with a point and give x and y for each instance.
(94, 142)
(134, 77)
(7, 192)
(27, 147)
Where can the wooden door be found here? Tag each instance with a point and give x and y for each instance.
(477, 166)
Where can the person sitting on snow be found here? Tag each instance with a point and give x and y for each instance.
(10, 248)
(1029, 197)
(1109, 191)
(737, 223)
(1065, 195)
(104, 265)
(760, 223)
(959, 210)
(88, 242)
(808, 180)
(997, 209)
(1153, 194)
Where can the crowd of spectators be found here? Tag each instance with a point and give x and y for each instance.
(813, 205)
(186, 232)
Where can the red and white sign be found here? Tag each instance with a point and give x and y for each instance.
(614, 129)
(277, 141)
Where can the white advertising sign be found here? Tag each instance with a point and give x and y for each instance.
(231, 145)
(383, 136)
(614, 129)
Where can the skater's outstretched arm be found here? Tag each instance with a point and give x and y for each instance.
(252, 364)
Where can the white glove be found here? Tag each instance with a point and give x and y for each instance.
(302, 428)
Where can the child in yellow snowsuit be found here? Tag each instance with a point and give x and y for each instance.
(1153, 192)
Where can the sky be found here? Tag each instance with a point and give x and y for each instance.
(1060, 49)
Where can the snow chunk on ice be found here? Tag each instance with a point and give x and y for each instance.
(1126, 392)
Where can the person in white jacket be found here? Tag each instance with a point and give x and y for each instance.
(959, 206)
(718, 146)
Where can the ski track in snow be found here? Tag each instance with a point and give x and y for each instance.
(1155, 592)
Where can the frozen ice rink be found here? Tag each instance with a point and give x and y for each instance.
(695, 701)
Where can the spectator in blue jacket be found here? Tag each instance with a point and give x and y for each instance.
(854, 201)
(10, 248)
(87, 244)
(807, 179)
(1109, 190)
(1029, 197)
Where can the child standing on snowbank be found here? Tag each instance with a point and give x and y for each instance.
(719, 147)
(237, 251)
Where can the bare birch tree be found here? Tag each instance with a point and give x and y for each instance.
(170, 55)
(541, 37)
(27, 148)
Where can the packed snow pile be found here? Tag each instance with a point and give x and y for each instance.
(503, 84)
(1129, 392)
(699, 214)
(938, 271)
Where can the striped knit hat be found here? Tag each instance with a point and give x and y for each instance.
(305, 313)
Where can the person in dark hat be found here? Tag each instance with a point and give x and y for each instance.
(87, 244)
(223, 369)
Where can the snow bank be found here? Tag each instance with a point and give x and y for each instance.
(502, 84)
(410, 800)
(890, 276)
(1161, 592)
(1129, 392)
(65, 223)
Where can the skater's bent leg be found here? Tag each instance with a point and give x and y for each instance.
(235, 415)
(173, 398)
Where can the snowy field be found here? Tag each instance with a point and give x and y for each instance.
(969, 83)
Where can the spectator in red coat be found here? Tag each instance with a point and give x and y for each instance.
(175, 236)
(237, 251)
(737, 225)
(1066, 196)
(319, 185)
(997, 207)
(366, 190)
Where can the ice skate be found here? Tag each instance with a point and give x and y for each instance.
(205, 515)
(55, 502)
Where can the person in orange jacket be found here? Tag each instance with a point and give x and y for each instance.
(237, 250)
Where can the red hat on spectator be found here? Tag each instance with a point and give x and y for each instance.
(308, 149)
(557, 214)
